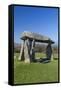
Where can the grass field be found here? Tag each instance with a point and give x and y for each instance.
(35, 72)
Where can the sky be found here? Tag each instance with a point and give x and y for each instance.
(39, 20)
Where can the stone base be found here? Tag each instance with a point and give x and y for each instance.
(27, 61)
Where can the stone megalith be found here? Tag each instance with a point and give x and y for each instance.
(21, 56)
(27, 52)
(32, 52)
(49, 51)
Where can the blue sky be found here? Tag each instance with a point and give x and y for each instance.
(39, 20)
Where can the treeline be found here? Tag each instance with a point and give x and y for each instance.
(38, 48)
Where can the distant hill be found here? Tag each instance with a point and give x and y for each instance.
(38, 47)
(17, 47)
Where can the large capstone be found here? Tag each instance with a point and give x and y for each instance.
(37, 37)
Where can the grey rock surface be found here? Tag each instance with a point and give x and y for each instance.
(37, 37)
(21, 56)
(26, 51)
(49, 51)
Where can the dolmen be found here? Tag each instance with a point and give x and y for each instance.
(27, 51)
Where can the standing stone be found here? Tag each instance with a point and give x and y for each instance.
(30, 45)
(49, 51)
(52, 57)
(21, 57)
(33, 51)
(26, 51)
(30, 48)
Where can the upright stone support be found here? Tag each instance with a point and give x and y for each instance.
(21, 56)
(26, 51)
(52, 57)
(33, 51)
(49, 51)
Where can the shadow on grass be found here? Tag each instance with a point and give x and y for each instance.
(43, 60)
(55, 58)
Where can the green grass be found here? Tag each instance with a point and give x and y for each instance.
(35, 72)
